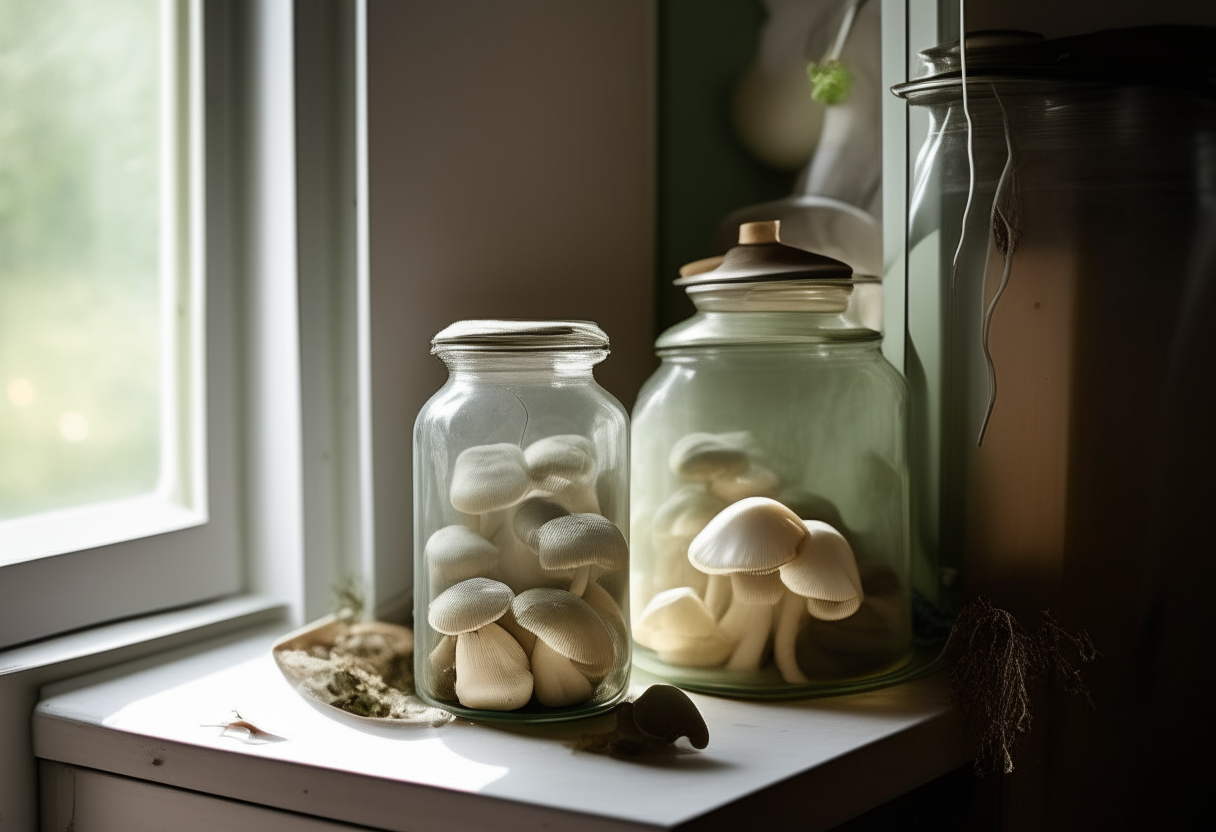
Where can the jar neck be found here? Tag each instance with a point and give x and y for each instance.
(771, 314)
(522, 366)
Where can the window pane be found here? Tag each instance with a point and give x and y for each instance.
(81, 129)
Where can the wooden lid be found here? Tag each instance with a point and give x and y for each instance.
(761, 256)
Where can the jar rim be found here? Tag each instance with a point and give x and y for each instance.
(519, 335)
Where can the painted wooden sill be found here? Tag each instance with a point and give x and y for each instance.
(814, 762)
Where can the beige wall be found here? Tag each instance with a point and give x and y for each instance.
(511, 175)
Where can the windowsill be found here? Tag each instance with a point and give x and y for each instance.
(188, 622)
(819, 761)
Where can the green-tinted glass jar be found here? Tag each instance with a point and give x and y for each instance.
(769, 508)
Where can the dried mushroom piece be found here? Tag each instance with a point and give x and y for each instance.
(652, 723)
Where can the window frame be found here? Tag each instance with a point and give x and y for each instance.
(280, 195)
(181, 543)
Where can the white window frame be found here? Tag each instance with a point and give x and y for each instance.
(286, 508)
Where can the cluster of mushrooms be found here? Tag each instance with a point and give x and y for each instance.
(517, 591)
(744, 571)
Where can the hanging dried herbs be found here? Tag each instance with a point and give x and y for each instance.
(994, 664)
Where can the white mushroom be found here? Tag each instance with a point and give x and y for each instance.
(678, 626)
(519, 567)
(563, 468)
(574, 646)
(880, 626)
(495, 673)
(699, 457)
(456, 553)
(755, 481)
(491, 667)
(578, 542)
(825, 573)
(676, 522)
(564, 458)
(489, 477)
(531, 514)
(749, 541)
(443, 669)
(823, 581)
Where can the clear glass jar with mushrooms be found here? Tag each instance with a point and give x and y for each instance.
(770, 486)
(521, 484)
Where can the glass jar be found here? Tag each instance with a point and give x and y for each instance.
(521, 494)
(770, 486)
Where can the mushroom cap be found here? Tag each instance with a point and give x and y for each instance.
(492, 671)
(666, 713)
(489, 477)
(755, 534)
(533, 513)
(581, 540)
(756, 481)
(455, 553)
(699, 457)
(825, 573)
(566, 456)
(688, 510)
(678, 612)
(468, 606)
(574, 496)
(567, 624)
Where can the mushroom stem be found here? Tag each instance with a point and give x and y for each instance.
(749, 625)
(789, 621)
(491, 670)
(557, 683)
(579, 585)
(717, 595)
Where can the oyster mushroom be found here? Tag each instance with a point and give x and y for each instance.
(678, 626)
(578, 542)
(574, 645)
(822, 580)
(457, 553)
(488, 478)
(491, 667)
(749, 541)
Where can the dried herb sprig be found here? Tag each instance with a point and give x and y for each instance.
(994, 663)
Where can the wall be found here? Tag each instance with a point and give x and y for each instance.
(511, 175)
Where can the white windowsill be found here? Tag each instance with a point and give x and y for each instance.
(817, 762)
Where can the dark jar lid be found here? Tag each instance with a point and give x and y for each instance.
(502, 335)
(760, 256)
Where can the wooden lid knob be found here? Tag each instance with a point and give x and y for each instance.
(755, 233)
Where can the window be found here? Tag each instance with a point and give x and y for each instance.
(113, 394)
